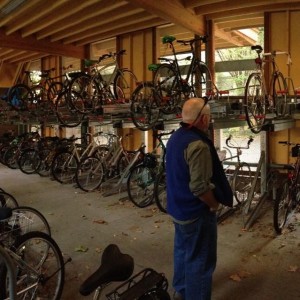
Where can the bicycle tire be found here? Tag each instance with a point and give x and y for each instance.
(144, 107)
(89, 174)
(156, 294)
(84, 93)
(7, 200)
(10, 157)
(44, 166)
(42, 264)
(66, 114)
(28, 161)
(124, 84)
(254, 103)
(241, 182)
(19, 96)
(201, 81)
(140, 185)
(64, 167)
(54, 90)
(280, 94)
(281, 207)
(168, 89)
(160, 191)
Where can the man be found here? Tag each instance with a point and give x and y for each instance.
(196, 184)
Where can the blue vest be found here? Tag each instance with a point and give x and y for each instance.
(181, 203)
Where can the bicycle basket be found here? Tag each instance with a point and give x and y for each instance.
(296, 151)
(150, 161)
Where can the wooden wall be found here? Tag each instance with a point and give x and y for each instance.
(282, 32)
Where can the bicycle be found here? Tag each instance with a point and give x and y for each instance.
(144, 181)
(102, 86)
(288, 195)
(260, 98)
(117, 267)
(37, 260)
(171, 86)
(240, 177)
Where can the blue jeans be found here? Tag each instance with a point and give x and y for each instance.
(195, 256)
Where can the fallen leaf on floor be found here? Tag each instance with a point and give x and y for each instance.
(81, 249)
(100, 222)
(146, 216)
(293, 268)
(235, 277)
(123, 233)
(98, 250)
(239, 276)
(159, 221)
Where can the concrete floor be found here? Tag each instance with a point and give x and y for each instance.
(252, 264)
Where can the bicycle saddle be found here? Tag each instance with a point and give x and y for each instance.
(5, 213)
(115, 266)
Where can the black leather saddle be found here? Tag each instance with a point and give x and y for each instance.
(115, 266)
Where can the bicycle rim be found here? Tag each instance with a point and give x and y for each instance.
(254, 103)
(201, 81)
(29, 161)
(144, 110)
(167, 89)
(124, 85)
(41, 267)
(160, 191)
(241, 183)
(89, 174)
(140, 185)
(67, 115)
(280, 94)
(281, 208)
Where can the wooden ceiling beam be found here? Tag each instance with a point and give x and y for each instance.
(237, 4)
(15, 41)
(125, 21)
(27, 58)
(197, 3)
(227, 36)
(250, 10)
(27, 5)
(65, 10)
(119, 16)
(41, 10)
(87, 17)
(122, 30)
(174, 12)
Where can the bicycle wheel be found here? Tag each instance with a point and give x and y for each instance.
(201, 81)
(54, 90)
(24, 219)
(280, 94)
(254, 103)
(11, 157)
(29, 161)
(168, 89)
(19, 96)
(84, 93)
(64, 167)
(40, 268)
(89, 174)
(160, 191)
(7, 200)
(241, 182)
(140, 185)
(44, 166)
(67, 115)
(124, 84)
(281, 207)
(144, 109)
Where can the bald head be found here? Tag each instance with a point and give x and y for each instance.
(191, 109)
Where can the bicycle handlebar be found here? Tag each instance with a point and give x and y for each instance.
(250, 140)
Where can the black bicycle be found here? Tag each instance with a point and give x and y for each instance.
(287, 200)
